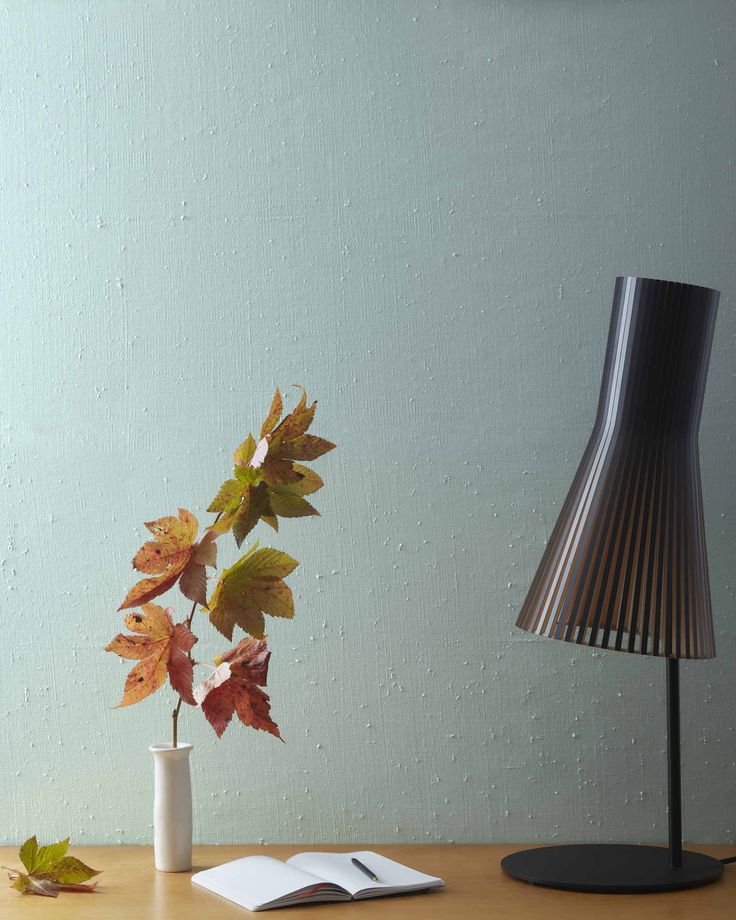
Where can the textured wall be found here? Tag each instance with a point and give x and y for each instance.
(416, 210)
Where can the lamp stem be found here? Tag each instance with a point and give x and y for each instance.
(674, 795)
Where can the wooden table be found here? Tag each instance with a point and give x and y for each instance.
(130, 889)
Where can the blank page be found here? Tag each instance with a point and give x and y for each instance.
(255, 881)
(337, 868)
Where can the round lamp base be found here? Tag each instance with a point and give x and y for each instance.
(608, 868)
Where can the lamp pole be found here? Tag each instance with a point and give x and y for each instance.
(674, 795)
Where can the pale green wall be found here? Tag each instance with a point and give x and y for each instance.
(416, 210)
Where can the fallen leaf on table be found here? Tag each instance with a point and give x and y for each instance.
(174, 555)
(49, 870)
(240, 693)
(162, 648)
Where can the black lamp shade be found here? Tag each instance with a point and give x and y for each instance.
(626, 566)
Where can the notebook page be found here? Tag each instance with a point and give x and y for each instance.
(337, 868)
(255, 881)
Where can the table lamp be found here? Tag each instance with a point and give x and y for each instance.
(626, 568)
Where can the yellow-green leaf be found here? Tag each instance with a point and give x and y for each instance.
(48, 855)
(50, 870)
(285, 503)
(251, 587)
(28, 853)
(245, 451)
(70, 871)
(308, 484)
(247, 475)
(228, 498)
(274, 599)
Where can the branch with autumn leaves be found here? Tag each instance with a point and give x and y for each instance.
(268, 483)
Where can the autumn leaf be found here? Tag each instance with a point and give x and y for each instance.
(173, 556)
(218, 675)
(288, 441)
(285, 502)
(251, 587)
(267, 482)
(162, 648)
(239, 692)
(37, 859)
(274, 414)
(49, 870)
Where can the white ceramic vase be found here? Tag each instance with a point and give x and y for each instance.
(172, 807)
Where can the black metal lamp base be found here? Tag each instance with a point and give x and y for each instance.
(609, 868)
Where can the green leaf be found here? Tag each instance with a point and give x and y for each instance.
(287, 504)
(28, 853)
(228, 498)
(244, 453)
(247, 475)
(249, 588)
(309, 483)
(50, 870)
(48, 855)
(69, 871)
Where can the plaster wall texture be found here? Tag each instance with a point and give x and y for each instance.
(416, 210)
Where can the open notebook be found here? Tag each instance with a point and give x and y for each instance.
(262, 882)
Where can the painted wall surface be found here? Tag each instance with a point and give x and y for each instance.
(416, 210)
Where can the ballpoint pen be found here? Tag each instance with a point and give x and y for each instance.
(358, 864)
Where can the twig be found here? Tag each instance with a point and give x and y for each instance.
(175, 713)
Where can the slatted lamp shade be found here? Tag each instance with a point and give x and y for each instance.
(626, 567)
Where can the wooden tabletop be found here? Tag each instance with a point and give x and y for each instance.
(131, 889)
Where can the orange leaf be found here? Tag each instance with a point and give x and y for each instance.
(145, 590)
(162, 648)
(297, 421)
(173, 556)
(289, 441)
(306, 447)
(279, 472)
(274, 414)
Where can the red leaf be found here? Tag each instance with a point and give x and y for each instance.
(241, 693)
(181, 671)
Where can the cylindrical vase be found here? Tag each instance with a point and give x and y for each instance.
(172, 807)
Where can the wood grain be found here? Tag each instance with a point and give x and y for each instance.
(131, 889)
